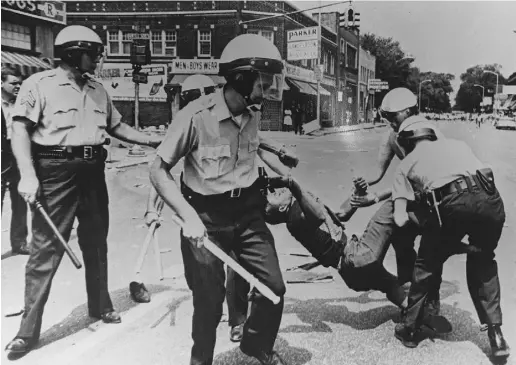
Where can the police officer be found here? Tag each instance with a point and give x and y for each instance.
(462, 199)
(59, 125)
(220, 195)
(192, 88)
(11, 81)
(398, 105)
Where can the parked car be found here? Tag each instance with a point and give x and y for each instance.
(506, 123)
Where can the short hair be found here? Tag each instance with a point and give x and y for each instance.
(9, 71)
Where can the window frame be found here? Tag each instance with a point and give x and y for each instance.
(260, 33)
(24, 43)
(199, 41)
(355, 60)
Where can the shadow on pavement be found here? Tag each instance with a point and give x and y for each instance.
(295, 355)
(78, 319)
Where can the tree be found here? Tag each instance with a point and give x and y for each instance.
(435, 93)
(388, 53)
(469, 96)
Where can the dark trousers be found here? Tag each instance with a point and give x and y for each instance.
(237, 298)
(18, 231)
(480, 216)
(364, 259)
(236, 225)
(69, 189)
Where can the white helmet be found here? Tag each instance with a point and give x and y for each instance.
(197, 82)
(415, 128)
(397, 100)
(77, 38)
(250, 52)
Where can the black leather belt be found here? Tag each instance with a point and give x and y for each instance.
(455, 186)
(231, 194)
(68, 152)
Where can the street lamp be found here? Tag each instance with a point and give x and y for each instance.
(419, 105)
(483, 89)
(494, 73)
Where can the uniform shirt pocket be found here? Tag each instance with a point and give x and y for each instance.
(212, 159)
(100, 117)
(65, 116)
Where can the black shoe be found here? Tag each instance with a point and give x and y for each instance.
(109, 317)
(271, 358)
(499, 347)
(439, 324)
(433, 307)
(19, 346)
(406, 335)
(21, 250)
(139, 292)
(236, 333)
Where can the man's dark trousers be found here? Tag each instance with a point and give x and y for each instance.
(480, 216)
(237, 291)
(18, 231)
(238, 225)
(69, 189)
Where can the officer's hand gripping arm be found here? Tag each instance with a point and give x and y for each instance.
(125, 133)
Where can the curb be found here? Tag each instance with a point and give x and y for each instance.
(322, 132)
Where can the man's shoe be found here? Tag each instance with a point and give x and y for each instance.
(406, 335)
(433, 307)
(236, 333)
(22, 250)
(439, 324)
(111, 317)
(271, 358)
(19, 346)
(499, 347)
(139, 292)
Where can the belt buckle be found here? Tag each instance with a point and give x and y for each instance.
(87, 152)
(235, 193)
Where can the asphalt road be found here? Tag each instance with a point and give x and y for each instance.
(323, 323)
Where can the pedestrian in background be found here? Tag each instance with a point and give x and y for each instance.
(287, 121)
(11, 81)
(461, 199)
(59, 125)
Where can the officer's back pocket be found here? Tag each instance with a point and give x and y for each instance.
(213, 159)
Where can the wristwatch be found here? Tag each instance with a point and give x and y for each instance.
(376, 198)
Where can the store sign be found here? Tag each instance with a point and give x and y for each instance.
(377, 85)
(299, 73)
(117, 79)
(194, 66)
(303, 44)
(54, 11)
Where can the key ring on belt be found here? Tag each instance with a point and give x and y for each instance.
(436, 207)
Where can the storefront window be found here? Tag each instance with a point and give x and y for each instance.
(269, 34)
(15, 35)
(351, 56)
(204, 43)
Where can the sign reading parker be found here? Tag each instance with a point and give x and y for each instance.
(303, 44)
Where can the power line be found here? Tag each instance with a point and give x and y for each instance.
(293, 12)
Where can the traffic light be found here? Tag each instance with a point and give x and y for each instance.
(349, 19)
(140, 52)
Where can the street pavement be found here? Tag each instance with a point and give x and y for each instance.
(324, 323)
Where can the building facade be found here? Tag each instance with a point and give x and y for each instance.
(367, 72)
(188, 37)
(28, 31)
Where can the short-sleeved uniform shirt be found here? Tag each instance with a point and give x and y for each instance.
(220, 150)
(7, 108)
(432, 165)
(63, 114)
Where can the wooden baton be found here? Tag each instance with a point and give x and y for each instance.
(225, 258)
(51, 224)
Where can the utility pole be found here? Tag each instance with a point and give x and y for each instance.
(358, 76)
(319, 55)
(338, 111)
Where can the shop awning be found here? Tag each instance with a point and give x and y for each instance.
(26, 64)
(177, 80)
(308, 88)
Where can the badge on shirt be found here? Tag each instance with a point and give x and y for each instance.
(29, 99)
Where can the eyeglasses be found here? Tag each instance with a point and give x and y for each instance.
(194, 94)
(389, 116)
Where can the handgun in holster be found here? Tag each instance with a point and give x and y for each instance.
(485, 179)
(263, 179)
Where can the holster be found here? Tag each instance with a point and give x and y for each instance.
(486, 180)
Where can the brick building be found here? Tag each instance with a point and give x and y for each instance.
(367, 72)
(28, 31)
(188, 37)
